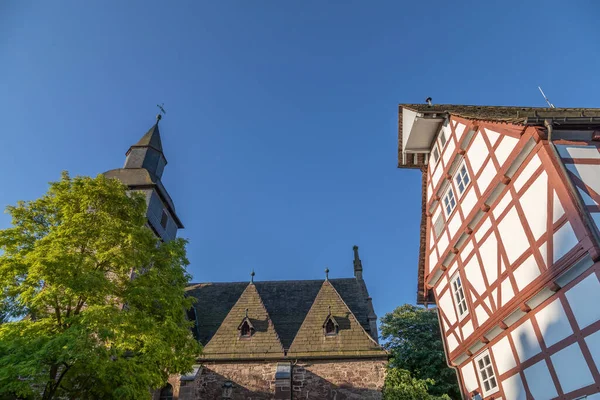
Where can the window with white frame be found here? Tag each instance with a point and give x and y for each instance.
(443, 138)
(486, 373)
(436, 154)
(458, 291)
(462, 178)
(449, 201)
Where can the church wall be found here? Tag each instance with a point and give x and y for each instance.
(322, 380)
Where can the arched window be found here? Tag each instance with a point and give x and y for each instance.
(330, 327)
(245, 330)
(166, 393)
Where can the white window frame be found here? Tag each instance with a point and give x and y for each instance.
(439, 154)
(450, 196)
(459, 178)
(443, 142)
(458, 294)
(485, 370)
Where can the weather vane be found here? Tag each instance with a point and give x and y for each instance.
(161, 107)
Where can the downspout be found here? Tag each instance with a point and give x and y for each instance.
(458, 377)
(585, 216)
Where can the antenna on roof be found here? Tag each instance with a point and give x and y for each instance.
(545, 98)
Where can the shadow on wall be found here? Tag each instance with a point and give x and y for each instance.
(305, 385)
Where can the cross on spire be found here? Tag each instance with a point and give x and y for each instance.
(161, 112)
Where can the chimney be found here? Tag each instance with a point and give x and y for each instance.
(357, 264)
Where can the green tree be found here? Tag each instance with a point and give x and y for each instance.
(89, 330)
(413, 338)
(401, 385)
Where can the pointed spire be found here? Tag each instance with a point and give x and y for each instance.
(357, 264)
(252, 276)
(326, 274)
(148, 153)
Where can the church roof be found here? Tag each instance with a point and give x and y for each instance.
(151, 139)
(287, 303)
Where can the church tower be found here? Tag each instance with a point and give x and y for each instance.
(143, 169)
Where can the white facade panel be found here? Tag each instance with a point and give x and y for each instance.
(526, 272)
(557, 208)
(505, 361)
(469, 377)
(442, 243)
(593, 343)
(544, 252)
(527, 173)
(587, 200)
(570, 151)
(535, 205)
(492, 136)
(452, 342)
(454, 224)
(506, 147)
(448, 151)
(446, 306)
(437, 174)
(588, 173)
(467, 329)
(485, 226)
(581, 297)
(488, 173)
(482, 315)
(473, 273)
(460, 128)
(502, 204)
(468, 201)
(540, 381)
(553, 323)
(507, 291)
(571, 368)
(489, 257)
(512, 235)
(596, 218)
(467, 249)
(513, 388)
(525, 341)
(477, 153)
(564, 240)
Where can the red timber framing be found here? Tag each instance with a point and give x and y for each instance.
(499, 190)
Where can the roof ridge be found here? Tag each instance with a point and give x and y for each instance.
(270, 281)
(271, 324)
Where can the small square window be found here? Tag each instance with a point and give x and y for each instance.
(462, 179)
(486, 374)
(460, 301)
(449, 201)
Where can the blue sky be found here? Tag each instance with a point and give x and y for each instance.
(281, 125)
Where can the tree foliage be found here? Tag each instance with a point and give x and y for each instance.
(413, 337)
(401, 385)
(81, 326)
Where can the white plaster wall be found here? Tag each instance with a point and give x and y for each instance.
(437, 174)
(570, 151)
(488, 173)
(512, 235)
(540, 381)
(492, 136)
(452, 342)
(513, 388)
(587, 173)
(557, 208)
(489, 257)
(527, 172)
(507, 291)
(506, 147)
(443, 282)
(593, 343)
(467, 329)
(584, 299)
(468, 248)
(525, 341)
(454, 224)
(473, 274)
(468, 201)
(460, 129)
(482, 315)
(442, 243)
(502, 204)
(503, 355)
(587, 200)
(553, 323)
(446, 306)
(477, 153)
(564, 240)
(596, 219)
(571, 368)
(535, 205)
(482, 230)
(469, 377)
(448, 151)
(526, 272)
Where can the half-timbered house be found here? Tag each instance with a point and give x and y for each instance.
(510, 244)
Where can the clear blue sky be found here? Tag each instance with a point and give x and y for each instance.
(281, 117)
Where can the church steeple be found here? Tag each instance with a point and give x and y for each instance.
(148, 153)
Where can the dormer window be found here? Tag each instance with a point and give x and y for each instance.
(330, 326)
(246, 329)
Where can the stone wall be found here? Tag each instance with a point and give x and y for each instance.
(322, 380)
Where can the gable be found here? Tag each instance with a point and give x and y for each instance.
(227, 343)
(351, 339)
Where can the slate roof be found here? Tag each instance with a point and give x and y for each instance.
(151, 139)
(286, 302)
(351, 338)
(226, 342)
